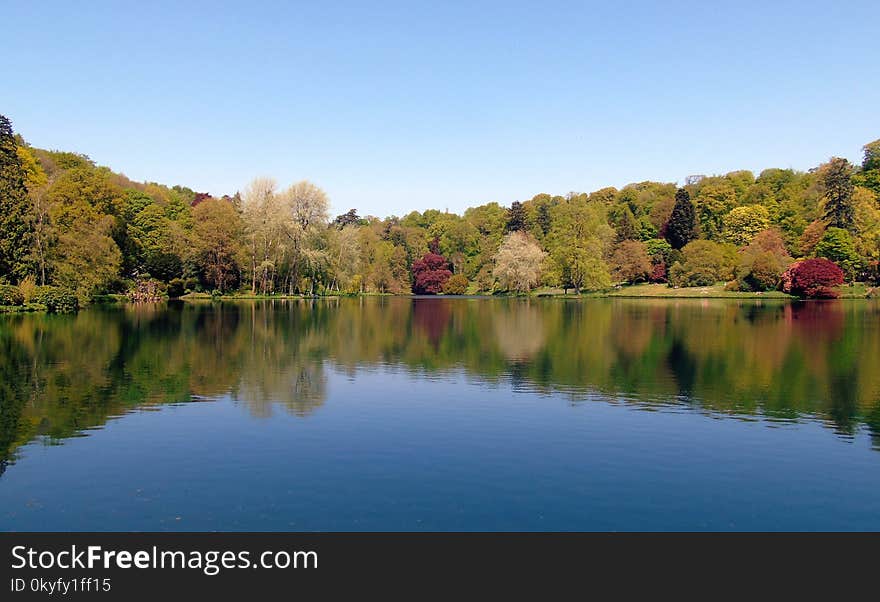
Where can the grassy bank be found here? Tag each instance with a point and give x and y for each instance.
(857, 291)
(636, 291)
(18, 309)
(716, 291)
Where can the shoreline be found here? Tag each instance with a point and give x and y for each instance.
(640, 291)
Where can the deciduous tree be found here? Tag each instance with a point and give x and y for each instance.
(813, 278)
(741, 224)
(630, 262)
(519, 262)
(215, 240)
(837, 245)
(430, 273)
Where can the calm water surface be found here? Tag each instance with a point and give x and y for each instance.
(443, 414)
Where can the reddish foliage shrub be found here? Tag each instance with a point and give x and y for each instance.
(658, 273)
(430, 273)
(812, 278)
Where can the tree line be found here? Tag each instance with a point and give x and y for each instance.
(68, 225)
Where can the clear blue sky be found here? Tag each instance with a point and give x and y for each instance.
(411, 105)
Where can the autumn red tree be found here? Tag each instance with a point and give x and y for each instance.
(658, 272)
(430, 273)
(630, 262)
(813, 278)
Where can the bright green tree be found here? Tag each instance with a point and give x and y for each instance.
(837, 245)
(704, 263)
(741, 224)
(713, 202)
(869, 176)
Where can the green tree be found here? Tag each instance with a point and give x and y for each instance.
(590, 273)
(543, 218)
(516, 217)
(705, 263)
(215, 240)
(585, 267)
(681, 227)
(14, 208)
(87, 259)
(869, 176)
(345, 256)
(837, 191)
(867, 224)
(741, 224)
(456, 285)
(763, 261)
(41, 235)
(871, 156)
(158, 243)
(627, 227)
(659, 248)
(837, 245)
(579, 235)
(713, 202)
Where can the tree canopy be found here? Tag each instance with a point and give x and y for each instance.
(68, 222)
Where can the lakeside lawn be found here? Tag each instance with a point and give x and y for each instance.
(715, 291)
(859, 290)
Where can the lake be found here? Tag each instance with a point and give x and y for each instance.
(443, 414)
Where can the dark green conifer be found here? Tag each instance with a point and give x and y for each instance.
(681, 227)
(14, 231)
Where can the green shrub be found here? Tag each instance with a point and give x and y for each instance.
(10, 295)
(456, 285)
(676, 275)
(732, 286)
(56, 300)
(28, 288)
(763, 274)
(176, 288)
(705, 263)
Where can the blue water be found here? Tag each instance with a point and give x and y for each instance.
(416, 449)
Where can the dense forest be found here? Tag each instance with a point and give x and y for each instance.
(72, 231)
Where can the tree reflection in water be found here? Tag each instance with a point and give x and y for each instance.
(60, 375)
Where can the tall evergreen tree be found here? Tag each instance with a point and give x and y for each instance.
(13, 207)
(351, 218)
(544, 220)
(627, 228)
(838, 190)
(681, 227)
(516, 217)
